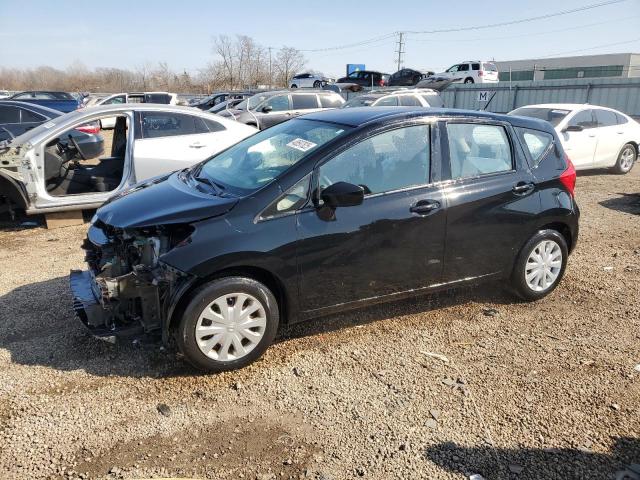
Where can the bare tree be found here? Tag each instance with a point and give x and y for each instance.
(288, 62)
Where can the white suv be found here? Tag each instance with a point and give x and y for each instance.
(474, 71)
(308, 80)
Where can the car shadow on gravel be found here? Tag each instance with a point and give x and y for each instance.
(625, 202)
(38, 327)
(621, 463)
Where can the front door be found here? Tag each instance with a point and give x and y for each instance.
(492, 199)
(279, 110)
(393, 241)
(581, 146)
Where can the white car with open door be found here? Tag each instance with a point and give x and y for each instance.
(592, 136)
(47, 169)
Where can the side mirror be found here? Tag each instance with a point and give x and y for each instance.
(342, 194)
(573, 128)
(267, 109)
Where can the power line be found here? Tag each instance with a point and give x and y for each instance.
(592, 48)
(460, 29)
(522, 20)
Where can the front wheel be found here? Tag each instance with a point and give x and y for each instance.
(468, 80)
(317, 84)
(294, 86)
(540, 265)
(228, 324)
(626, 158)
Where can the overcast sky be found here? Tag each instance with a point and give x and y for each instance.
(127, 34)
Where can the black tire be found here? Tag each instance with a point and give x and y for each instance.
(202, 298)
(621, 167)
(317, 84)
(294, 86)
(468, 80)
(518, 278)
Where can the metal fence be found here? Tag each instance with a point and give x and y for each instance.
(622, 94)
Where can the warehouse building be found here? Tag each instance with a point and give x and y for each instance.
(617, 65)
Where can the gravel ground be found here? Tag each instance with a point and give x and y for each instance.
(527, 391)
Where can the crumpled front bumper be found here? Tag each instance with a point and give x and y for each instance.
(89, 307)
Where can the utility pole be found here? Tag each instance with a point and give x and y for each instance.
(270, 76)
(400, 50)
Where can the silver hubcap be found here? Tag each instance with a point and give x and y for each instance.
(231, 326)
(627, 158)
(543, 265)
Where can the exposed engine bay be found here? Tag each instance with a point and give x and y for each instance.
(130, 286)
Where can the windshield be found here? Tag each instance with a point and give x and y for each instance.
(552, 115)
(360, 101)
(259, 159)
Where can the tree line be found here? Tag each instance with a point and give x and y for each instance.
(239, 62)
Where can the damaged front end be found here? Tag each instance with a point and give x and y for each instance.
(128, 290)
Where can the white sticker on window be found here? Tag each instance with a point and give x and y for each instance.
(301, 144)
(49, 125)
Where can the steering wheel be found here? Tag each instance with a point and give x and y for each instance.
(75, 145)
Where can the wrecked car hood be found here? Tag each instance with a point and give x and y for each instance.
(162, 201)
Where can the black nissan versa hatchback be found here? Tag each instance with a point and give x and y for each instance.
(326, 212)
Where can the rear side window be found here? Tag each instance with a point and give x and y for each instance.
(387, 102)
(304, 101)
(27, 116)
(161, 98)
(409, 101)
(605, 118)
(433, 100)
(490, 67)
(464, 67)
(204, 125)
(330, 101)
(9, 115)
(165, 124)
(583, 119)
(114, 100)
(476, 149)
(621, 119)
(536, 143)
(475, 66)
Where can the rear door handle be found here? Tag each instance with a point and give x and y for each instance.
(523, 188)
(196, 145)
(424, 207)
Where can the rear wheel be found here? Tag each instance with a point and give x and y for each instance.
(228, 324)
(626, 158)
(468, 80)
(540, 265)
(294, 86)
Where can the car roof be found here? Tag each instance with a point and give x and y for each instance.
(32, 106)
(358, 116)
(562, 106)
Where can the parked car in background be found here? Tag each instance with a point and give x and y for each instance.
(395, 98)
(227, 104)
(61, 101)
(160, 98)
(46, 169)
(17, 118)
(267, 109)
(407, 77)
(309, 80)
(366, 78)
(4, 94)
(592, 136)
(474, 71)
(212, 100)
(330, 211)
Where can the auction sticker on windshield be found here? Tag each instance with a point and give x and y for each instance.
(301, 144)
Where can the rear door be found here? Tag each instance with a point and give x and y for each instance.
(610, 138)
(581, 145)
(491, 198)
(169, 141)
(302, 103)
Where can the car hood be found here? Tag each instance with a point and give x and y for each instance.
(163, 201)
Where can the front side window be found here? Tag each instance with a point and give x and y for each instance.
(388, 161)
(583, 119)
(304, 101)
(476, 149)
(552, 115)
(463, 68)
(453, 69)
(167, 124)
(115, 100)
(292, 200)
(259, 159)
(537, 144)
(605, 118)
(278, 103)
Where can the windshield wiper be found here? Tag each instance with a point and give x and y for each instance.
(216, 186)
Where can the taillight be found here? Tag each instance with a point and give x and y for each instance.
(480, 73)
(381, 83)
(89, 128)
(568, 177)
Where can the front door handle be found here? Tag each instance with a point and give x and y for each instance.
(424, 207)
(523, 188)
(196, 145)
